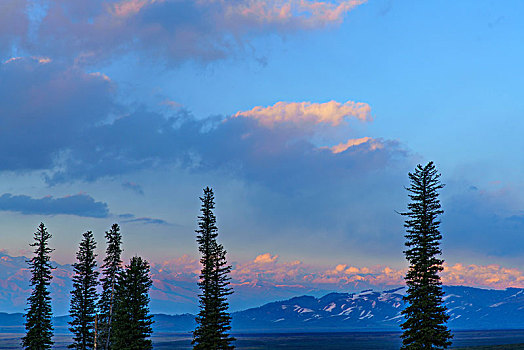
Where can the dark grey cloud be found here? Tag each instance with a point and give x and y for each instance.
(282, 158)
(85, 144)
(146, 221)
(482, 221)
(44, 107)
(78, 204)
(291, 180)
(131, 218)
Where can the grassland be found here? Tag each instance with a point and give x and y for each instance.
(465, 340)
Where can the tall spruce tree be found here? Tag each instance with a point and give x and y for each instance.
(84, 295)
(213, 320)
(39, 330)
(425, 323)
(111, 268)
(131, 326)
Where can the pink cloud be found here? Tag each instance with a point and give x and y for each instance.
(265, 258)
(490, 276)
(266, 271)
(300, 14)
(264, 278)
(306, 113)
(174, 29)
(129, 7)
(265, 268)
(344, 146)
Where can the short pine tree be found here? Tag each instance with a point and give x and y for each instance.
(39, 330)
(131, 326)
(84, 295)
(111, 268)
(425, 323)
(213, 320)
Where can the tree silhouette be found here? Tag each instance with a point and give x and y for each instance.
(425, 324)
(213, 320)
(84, 295)
(111, 268)
(132, 322)
(39, 330)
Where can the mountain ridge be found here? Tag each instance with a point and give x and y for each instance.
(369, 310)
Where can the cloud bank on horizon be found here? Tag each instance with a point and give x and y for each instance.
(260, 280)
(302, 177)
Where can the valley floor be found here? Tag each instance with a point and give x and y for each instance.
(471, 340)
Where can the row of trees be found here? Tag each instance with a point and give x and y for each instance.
(120, 318)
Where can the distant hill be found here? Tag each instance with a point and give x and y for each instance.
(469, 308)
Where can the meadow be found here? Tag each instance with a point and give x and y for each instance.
(470, 340)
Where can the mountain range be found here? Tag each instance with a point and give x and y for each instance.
(468, 307)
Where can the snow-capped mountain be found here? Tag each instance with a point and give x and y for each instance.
(469, 308)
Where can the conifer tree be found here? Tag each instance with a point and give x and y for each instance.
(111, 269)
(213, 320)
(131, 326)
(84, 295)
(39, 330)
(425, 323)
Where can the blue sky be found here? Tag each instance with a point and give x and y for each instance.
(123, 111)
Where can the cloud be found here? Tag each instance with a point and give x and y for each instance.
(266, 279)
(266, 268)
(66, 124)
(288, 15)
(69, 127)
(488, 276)
(482, 221)
(307, 113)
(78, 204)
(44, 108)
(342, 147)
(133, 187)
(265, 258)
(146, 221)
(176, 30)
(239, 146)
(483, 276)
(89, 137)
(255, 282)
(14, 22)
(131, 218)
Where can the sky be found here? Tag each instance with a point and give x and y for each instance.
(304, 116)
